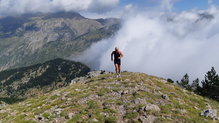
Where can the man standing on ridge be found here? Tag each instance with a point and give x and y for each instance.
(117, 60)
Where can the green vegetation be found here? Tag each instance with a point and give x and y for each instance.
(103, 91)
(110, 119)
(184, 81)
(111, 100)
(131, 115)
(209, 87)
(92, 104)
(46, 115)
(40, 78)
(11, 100)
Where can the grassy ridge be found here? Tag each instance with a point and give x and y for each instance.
(109, 99)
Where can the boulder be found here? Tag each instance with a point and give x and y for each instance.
(96, 73)
(58, 111)
(139, 101)
(78, 79)
(212, 113)
(151, 107)
(165, 97)
(147, 119)
(89, 75)
(39, 118)
(2, 104)
(124, 92)
(182, 111)
(70, 115)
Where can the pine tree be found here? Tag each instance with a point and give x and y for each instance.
(195, 85)
(184, 82)
(210, 86)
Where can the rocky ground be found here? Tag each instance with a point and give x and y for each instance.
(101, 97)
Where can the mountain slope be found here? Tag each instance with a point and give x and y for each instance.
(32, 39)
(25, 82)
(135, 97)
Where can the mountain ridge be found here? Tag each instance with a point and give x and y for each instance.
(22, 83)
(101, 97)
(31, 39)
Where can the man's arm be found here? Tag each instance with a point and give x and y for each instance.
(121, 54)
(112, 56)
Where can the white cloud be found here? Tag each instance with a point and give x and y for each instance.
(129, 6)
(210, 1)
(117, 12)
(166, 45)
(168, 4)
(8, 7)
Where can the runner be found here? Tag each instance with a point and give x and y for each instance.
(117, 60)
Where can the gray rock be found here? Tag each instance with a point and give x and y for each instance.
(165, 97)
(147, 119)
(39, 118)
(139, 101)
(2, 104)
(58, 111)
(69, 99)
(124, 92)
(63, 98)
(182, 111)
(86, 99)
(70, 115)
(151, 107)
(57, 94)
(97, 73)
(212, 113)
(89, 75)
(95, 120)
(77, 90)
(78, 79)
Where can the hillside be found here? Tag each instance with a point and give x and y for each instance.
(21, 83)
(35, 38)
(135, 97)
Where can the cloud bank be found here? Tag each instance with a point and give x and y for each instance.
(13, 7)
(162, 44)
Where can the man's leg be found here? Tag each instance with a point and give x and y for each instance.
(117, 68)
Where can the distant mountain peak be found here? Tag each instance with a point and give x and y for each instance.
(38, 37)
(63, 14)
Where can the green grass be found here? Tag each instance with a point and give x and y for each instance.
(76, 118)
(3, 115)
(46, 115)
(105, 106)
(110, 119)
(131, 115)
(103, 91)
(92, 104)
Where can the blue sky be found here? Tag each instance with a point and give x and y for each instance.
(13, 7)
(180, 5)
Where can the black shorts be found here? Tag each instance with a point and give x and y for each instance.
(117, 61)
